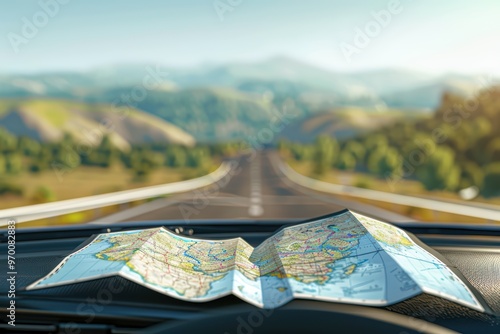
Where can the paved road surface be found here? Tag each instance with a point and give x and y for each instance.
(257, 190)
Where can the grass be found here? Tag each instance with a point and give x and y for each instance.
(87, 181)
(54, 111)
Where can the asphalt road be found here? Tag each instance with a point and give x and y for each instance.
(254, 190)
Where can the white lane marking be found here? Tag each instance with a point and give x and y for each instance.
(255, 208)
(256, 200)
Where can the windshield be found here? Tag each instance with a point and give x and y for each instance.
(123, 111)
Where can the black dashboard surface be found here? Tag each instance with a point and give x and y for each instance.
(475, 252)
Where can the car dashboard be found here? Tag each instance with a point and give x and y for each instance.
(115, 305)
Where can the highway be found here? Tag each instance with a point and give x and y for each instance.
(255, 189)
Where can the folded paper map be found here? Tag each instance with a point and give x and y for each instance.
(345, 257)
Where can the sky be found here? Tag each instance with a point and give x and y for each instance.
(459, 36)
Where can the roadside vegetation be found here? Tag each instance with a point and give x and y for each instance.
(457, 148)
(33, 172)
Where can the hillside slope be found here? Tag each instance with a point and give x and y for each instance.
(49, 120)
(429, 95)
(210, 114)
(344, 123)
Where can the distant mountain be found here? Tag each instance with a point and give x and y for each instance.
(428, 95)
(49, 120)
(78, 84)
(63, 85)
(209, 114)
(220, 102)
(279, 75)
(285, 76)
(344, 123)
(279, 69)
(384, 81)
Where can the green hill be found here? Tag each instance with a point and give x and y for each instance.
(345, 122)
(48, 120)
(454, 148)
(209, 114)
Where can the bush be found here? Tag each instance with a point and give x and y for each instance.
(325, 154)
(440, 171)
(472, 175)
(35, 168)
(176, 157)
(7, 188)
(43, 194)
(363, 182)
(13, 163)
(491, 184)
(346, 161)
(384, 162)
(3, 164)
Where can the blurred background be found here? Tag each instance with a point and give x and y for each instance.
(395, 96)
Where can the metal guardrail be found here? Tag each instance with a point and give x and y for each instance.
(52, 209)
(434, 205)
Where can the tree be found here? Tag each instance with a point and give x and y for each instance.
(346, 161)
(68, 157)
(3, 164)
(385, 162)
(301, 152)
(14, 163)
(440, 171)
(36, 167)
(356, 149)
(45, 154)
(7, 188)
(8, 142)
(471, 175)
(492, 151)
(325, 154)
(107, 152)
(491, 184)
(373, 144)
(176, 157)
(28, 146)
